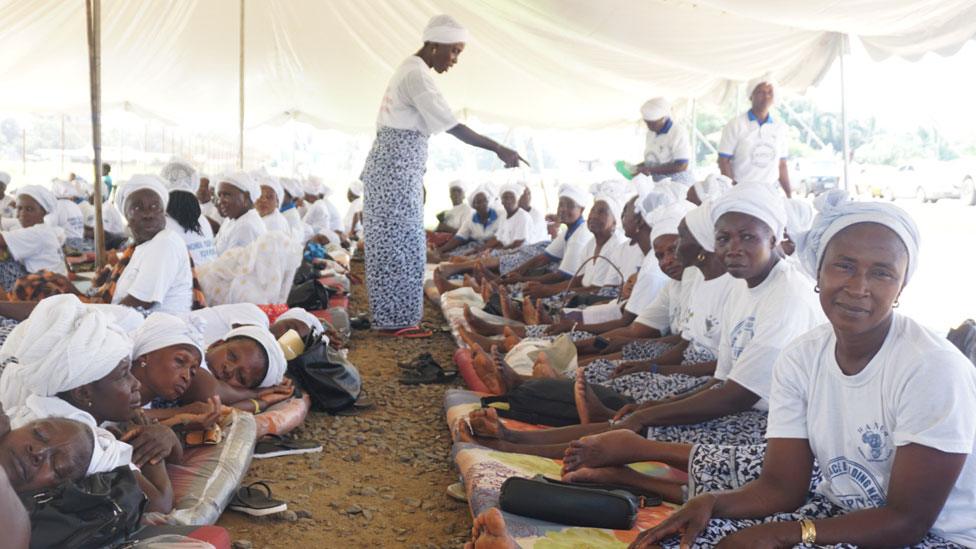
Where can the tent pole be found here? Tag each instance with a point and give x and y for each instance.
(94, 13)
(843, 117)
(62, 145)
(693, 161)
(240, 91)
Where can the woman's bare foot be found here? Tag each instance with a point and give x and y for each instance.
(470, 282)
(442, 283)
(530, 313)
(542, 314)
(481, 341)
(617, 447)
(489, 532)
(541, 368)
(487, 371)
(485, 423)
(589, 407)
(481, 326)
(483, 273)
(511, 377)
(510, 337)
(506, 303)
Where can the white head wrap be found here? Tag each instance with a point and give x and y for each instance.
(312, 186)
(615, 206)
(162, 330)
(108, 452)
(831, 199)
(4, 178)
(755, 82)
(137, 183)
(701, 227)
(651, 202)
(714, 186)
(799, 216)
(675, 190)
(62, 345)
(811, 245)
(291, 186)
(243, 182)
(655, 109)
(42, 196)
(276, 357)
(323, 189)
(458, 184)
(356, 187)
(644, 184)
(444, 29)
(307, 318)
(575, 194)
(756, 200)
(272, 181)
(514, 188)
(180, 175)
(666, 220)
(485, 189)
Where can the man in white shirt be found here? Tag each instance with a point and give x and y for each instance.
(667, 150)
(754, 146)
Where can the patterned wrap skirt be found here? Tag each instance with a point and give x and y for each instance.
(393, 224)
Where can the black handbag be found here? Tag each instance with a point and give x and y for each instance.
(96, 511)
(550, 401)
(574, 504)
(310, 295)
(331, 381)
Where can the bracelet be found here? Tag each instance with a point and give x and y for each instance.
(257, 406)
(808, 532)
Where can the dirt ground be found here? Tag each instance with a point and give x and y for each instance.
(380, 480)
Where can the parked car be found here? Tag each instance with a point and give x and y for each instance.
(818, 176)
(925, 181)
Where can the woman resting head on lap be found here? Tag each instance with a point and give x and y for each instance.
(885, 406)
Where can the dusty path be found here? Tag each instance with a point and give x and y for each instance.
(380, 479)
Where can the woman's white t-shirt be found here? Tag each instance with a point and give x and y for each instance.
(455, 217)
(355, 207)
(598, 272)
(38, 248)
(200, 245)
(704, 325)
(569, 247)
(514, 228)
(237, 233)
(759, 322)
(70, 218)
(220, 319)
(651, 282)
(319, 218)
(918, 389)
(540, 227)
(473, 228)
(413, 102)
(670, 310)
(299, 229)
(159, 273)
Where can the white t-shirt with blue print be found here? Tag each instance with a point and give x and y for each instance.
(918, 389)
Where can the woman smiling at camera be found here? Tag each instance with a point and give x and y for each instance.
(884, 406)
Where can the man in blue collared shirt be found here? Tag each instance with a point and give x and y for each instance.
(755, 146)
(667, 150)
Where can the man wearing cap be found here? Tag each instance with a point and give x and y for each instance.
(667, 150)
(754, 145)
(412, 110)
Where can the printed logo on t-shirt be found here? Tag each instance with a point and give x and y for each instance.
(762, 155)
(741, 335)
(875, 444)
(846, 474)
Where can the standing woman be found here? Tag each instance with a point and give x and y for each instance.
(412, 110)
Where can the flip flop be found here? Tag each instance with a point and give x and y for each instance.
(253, 501)
(413, 332)
(276, 446)
(456, 491)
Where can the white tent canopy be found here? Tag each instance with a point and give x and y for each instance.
(542, 63)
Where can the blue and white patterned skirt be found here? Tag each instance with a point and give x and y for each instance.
(393, 215)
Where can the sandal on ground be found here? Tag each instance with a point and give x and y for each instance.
(360, 322)
(426, 370)
(456, 491)
(276, 446)
(255, 500)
